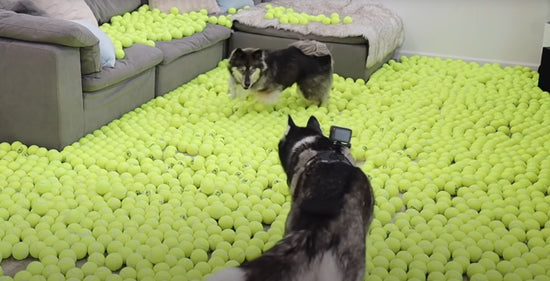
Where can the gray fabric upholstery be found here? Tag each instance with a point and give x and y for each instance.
(22, 6)
(55, 31)
(107, 104)
(37, 104)
(104, 10)
(45, 30)
(274, 32)
(138, 59)
(211, 35)
(90, 59)
(48, 96)
(185, 68)
(349, 59)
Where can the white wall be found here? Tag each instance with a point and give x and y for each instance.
(506, 31)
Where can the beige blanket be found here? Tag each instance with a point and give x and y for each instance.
(379, 25)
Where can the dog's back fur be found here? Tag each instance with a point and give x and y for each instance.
(326, 228)
(268, 72)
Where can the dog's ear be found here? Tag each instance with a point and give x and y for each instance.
(236, 53)
(291, 122)
(313, 124)
(258, 55)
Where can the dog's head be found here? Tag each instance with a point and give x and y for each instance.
(246, 66)
(319, 170)
(301, 144)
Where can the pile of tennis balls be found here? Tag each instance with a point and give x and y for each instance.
(190, 182)
(289, 16)
(146, 25)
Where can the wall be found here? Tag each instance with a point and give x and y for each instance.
(506, 31)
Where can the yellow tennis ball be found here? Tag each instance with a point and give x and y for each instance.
(199, 255)
(348, 19)
(252, 252)
(174, 11)
(20, 250)
(119, 54)
(114, 261)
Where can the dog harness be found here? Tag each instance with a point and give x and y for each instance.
(329, 156)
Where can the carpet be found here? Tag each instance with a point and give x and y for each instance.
(190, 182)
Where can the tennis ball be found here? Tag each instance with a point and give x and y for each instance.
(119, 54)
(198, 255)
(65, 264)
(35, 267)
(22, 275)
(174, 10)
(237, 254)
(114, 261)
(225, 221)
(20, 251)
(348, 20)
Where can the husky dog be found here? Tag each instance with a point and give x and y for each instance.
(266, 73)
(326, 228)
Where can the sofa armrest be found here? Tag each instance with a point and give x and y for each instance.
(45, 30)
(54, 31)
(40, 93)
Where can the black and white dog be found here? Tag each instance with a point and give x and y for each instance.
(266, 73)
(326, 228)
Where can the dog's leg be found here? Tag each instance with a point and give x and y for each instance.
(316, 88)
(268, 97)
(231, 83)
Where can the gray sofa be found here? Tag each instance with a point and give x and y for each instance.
(52, 91)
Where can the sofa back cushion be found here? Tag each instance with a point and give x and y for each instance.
(104, 10)
(66, 10)
(185, 6)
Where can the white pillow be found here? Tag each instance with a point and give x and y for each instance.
(185, 6)
(237, 4)
(106, 46)
(67, 10)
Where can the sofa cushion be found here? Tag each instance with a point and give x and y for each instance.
(185, 6)
(104, 10)
(44, 30)
(211, 35)
(67, 9)
(106, 47)
(237, 4)
(22, 6)
(138, 59)
(53, 31)
(274, 32)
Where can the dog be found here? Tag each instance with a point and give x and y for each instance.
(327, 225)
(266, 74)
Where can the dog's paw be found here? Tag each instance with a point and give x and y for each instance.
(267, 97)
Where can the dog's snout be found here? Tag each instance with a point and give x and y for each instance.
(246, 83)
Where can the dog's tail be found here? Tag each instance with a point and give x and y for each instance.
(312, 48)
(296, 257)
(229, 274)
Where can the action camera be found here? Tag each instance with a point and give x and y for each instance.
(340, 135)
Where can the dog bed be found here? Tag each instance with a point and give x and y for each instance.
(358, 48)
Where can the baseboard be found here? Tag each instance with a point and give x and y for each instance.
(400, 53)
